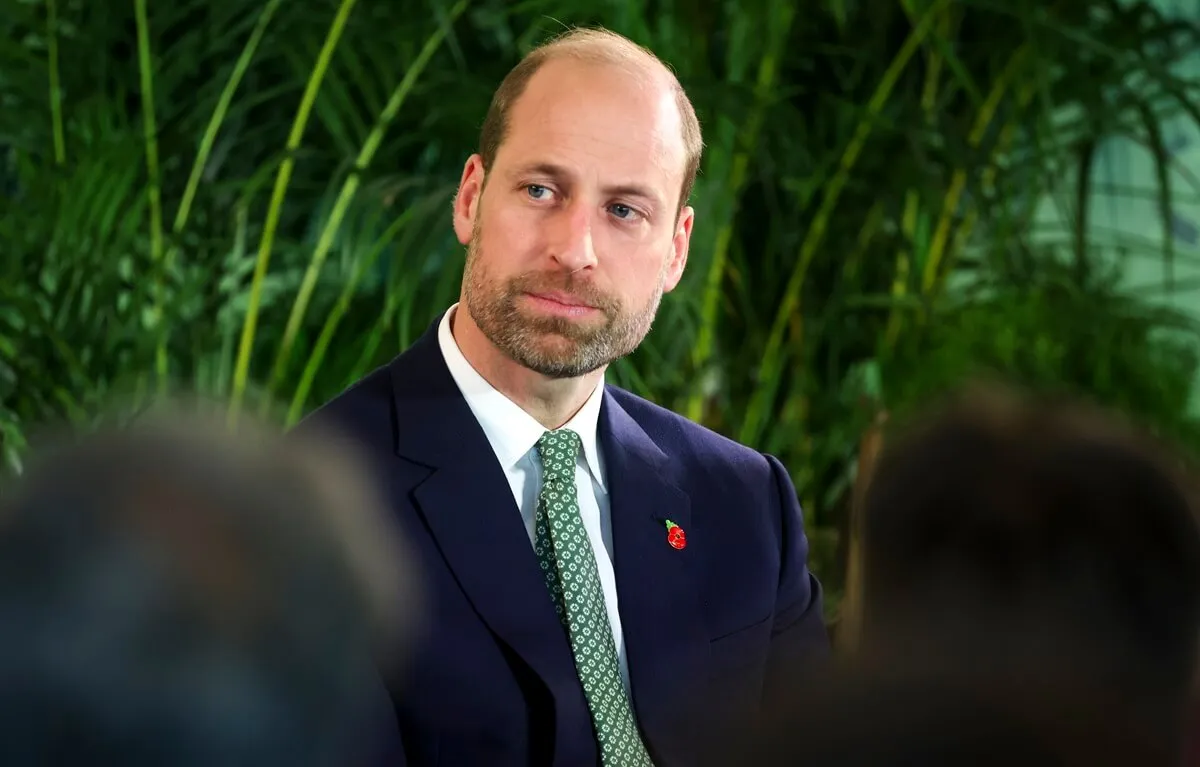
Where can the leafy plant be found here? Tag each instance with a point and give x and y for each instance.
(251, 199)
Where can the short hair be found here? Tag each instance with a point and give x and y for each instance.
(1008, 528)
(598, 46)
(176, 595)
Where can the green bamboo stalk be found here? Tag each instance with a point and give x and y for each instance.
(1162, 159)
(241, 222)
(335, 317)
(702, 349)
(763, 399)
(60, 144)
(149, 124)
(909, 254)
(987, 180)
(209, 139)
(933, 73)
(242, 371)
(904, 261)
(987, 112)
(866, 233)
(349, 189)
(218, 118)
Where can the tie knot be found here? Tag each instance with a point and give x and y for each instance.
(559, 451)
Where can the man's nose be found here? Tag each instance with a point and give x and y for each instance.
(574, 248)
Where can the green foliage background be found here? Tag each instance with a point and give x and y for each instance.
(251, 199)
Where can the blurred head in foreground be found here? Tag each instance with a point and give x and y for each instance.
(1000, 518)
(1036, 543)
(1031, 596)
(173, 594)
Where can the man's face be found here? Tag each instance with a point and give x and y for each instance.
(574, 237)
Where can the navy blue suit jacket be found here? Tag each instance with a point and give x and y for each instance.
(493, 681)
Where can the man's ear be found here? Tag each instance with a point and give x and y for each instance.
(680, 243)
(467, 199)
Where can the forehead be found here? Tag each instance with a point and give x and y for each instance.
(600, 120)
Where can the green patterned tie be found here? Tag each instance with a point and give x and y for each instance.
(567, 561)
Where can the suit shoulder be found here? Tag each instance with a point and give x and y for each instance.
(686, 438)
(361, 412)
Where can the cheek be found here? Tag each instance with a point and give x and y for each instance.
(508, 235)
(637, 269)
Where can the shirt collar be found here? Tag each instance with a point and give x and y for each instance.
(511, 431)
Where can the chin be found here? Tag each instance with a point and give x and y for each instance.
(554, 356)
(555, 348)
(561, 372)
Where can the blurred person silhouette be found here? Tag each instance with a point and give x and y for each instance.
(1031, 596)
(172, 594)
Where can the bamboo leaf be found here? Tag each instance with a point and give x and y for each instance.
(242, 371)
(350, 186)
(772, 360)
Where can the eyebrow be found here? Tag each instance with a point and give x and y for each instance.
(562, 175)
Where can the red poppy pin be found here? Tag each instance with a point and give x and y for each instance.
(675, 535)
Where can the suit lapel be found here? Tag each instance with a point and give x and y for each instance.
(461, 493)
(467, 504)
(665, 637)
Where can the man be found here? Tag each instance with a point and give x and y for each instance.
(594, 563)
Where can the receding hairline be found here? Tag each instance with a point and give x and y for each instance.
(599, 47)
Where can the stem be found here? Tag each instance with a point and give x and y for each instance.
(242, 369)
(146, 70)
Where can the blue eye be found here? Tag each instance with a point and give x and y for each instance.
(536, 192)
(621, 211)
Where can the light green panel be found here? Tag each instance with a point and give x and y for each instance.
(1125, 221)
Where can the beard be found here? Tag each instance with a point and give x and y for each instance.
(556, 347)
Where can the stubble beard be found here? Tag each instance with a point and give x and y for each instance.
(555, 347)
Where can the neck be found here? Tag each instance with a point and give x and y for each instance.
(550, 401)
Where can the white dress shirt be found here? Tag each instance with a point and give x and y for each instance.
(513, 435)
